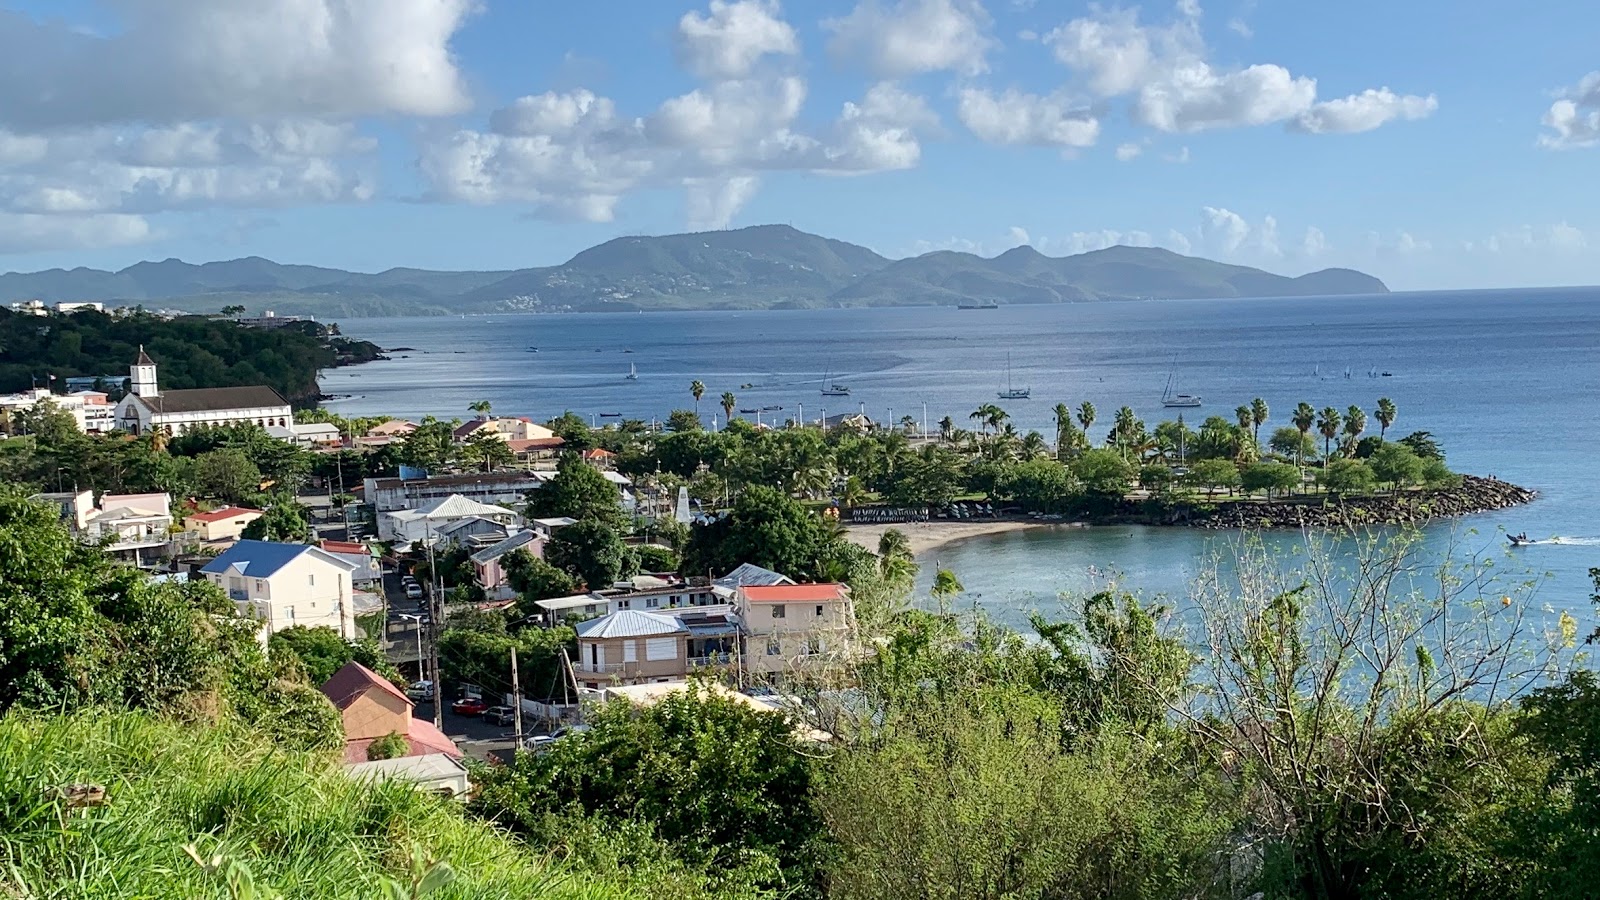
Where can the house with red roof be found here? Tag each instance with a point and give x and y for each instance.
(225, 524)
(789, 626)
(372, 707)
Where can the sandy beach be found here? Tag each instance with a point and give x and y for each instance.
(925, 536)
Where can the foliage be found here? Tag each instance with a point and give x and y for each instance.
(284, 520)
(1347, 476)
(389, 746)
(292, 824)
(1292, 443)
(593, 553)
(322, 652)
(1103, 472)
(769, 529)
(1423, 444)
(655, 558)
(1214, 474)
(725, 785)
(483, 657)
(681, 420)
(1396, 465)
(1040, 484)
(1269, 477)
(228, 475)
(191, 351)
(580, 491)
(486, 449)
(534, 579)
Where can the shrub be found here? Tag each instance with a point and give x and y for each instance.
(390, 746)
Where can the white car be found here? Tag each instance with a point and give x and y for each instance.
(541, 742)
(413, 591)
(420, 690)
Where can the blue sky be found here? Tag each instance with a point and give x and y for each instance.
(1435, 145)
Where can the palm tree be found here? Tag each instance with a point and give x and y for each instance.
(980, 415)
(1385, 414)
(997, 416)
(728, 404)
(697, 389)
(1033, 446)
(908, 424)
(1086, 416)
(1304, 417)
(481, 407)
(1064, 431)
(945, 586)
(1328, 425)
(1355, 422)
(1124, 429)
(1243, 416)
(1258, 417)
(947, 428)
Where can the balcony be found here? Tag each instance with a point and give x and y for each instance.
(711, 661)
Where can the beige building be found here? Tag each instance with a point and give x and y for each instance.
(631, 647)
(285, 585)
(372, 707)
(225, 524)
(791, 625)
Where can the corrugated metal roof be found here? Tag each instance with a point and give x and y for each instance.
(630, 623)
(520, 539)
(749, 573)
(259, 559)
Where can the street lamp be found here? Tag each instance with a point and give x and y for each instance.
(418, 619)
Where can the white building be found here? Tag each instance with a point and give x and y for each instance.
(147, 406)
(423, 524)
(285, 585)
(92, 412)
(134, 528)
(388, 495)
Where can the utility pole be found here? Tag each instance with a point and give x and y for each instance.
(435, 609)
(516, 697)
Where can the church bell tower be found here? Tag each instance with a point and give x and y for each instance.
(142, 381)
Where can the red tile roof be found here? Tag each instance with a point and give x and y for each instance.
(227, 512)
(793, 593)
(519, 446)
(351, 547)
(354, 680)
(598, 453)
(422, 739)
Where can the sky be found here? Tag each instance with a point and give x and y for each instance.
(1434, 144)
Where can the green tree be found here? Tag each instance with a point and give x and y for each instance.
(1215, 474)
(228, 475)
(895, 560)
(390, 746)
(1385, 414)
(697, 389)
(1304, 418)
(1259, 413)
(481, 409)
(487, 449)
(534, 579)
(320, 651)
(481, 655)
(1423, 444)
(946, 585)
(680, 421)
(1355, 422)
(430, 446)
(768, 528)
(1104, 473)
(1292, 443)
(1270, 476)
(721, 783)
(1396, 465)
(1244, 417)
(1347, 476)
(729, 403)
(1086, 413)
(1040, 484)
(579, 491)
(591, 552)
(283, 521)
(1067, 435)
(1328, 426)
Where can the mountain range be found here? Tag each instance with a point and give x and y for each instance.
(764, 266)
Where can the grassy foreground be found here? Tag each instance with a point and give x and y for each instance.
(300, 827)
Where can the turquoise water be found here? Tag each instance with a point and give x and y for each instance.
(1507, 381)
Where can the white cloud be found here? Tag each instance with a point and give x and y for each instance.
(1402, 243)
(712, 202)
(1014, 117)
(1018, 236)
(913, 36)
(1179, 158)
(1574, 120)
(181, 60)
(1241, 28)
(1223, 229)
(728, 42)
(1179, 242)
(1128, 151)
(1363, 112)
(1195, 97)
(1559, 238)
(1315, 242)
(28, 233)
(1175, 88)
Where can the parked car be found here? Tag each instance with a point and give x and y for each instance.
(500, 715)
(542, 742)
(413, 591)
(420, 690)
(469, 706)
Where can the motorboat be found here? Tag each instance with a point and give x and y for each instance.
(773, 408)
(1520, 540)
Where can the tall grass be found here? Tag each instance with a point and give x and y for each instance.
(299, 826)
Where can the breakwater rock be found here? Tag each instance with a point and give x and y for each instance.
(1414, 507)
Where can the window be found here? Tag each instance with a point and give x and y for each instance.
(291, 613)
(658, 649)
(777, 611)
(624, 604)
(313, 580)
(594, 656)
(630, 651)
(653, 602)
(819, 610)
(813, 646)
(260, 586)
(774, 646)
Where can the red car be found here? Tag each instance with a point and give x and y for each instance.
(468, 706)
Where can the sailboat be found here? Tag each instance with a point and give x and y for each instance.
(831, 388)
(633, 372)
(1172, 400)
(1013, 393)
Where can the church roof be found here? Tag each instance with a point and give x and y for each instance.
(255, 396)
(144, 358)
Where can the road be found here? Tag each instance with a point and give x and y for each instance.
(477, 738)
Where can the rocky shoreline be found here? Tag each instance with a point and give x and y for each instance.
(1416, 507)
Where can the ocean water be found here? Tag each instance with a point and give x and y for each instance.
(1507, 381)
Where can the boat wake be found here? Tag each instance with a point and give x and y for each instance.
(1573, 541)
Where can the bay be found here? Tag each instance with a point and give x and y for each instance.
(1507, 381)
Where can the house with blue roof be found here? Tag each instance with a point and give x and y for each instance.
(285, 585)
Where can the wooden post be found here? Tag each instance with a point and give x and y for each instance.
(516, 698)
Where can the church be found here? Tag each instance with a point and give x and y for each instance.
(147, 406)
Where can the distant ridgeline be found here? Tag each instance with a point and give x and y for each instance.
(764, 266)
(194, 351)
